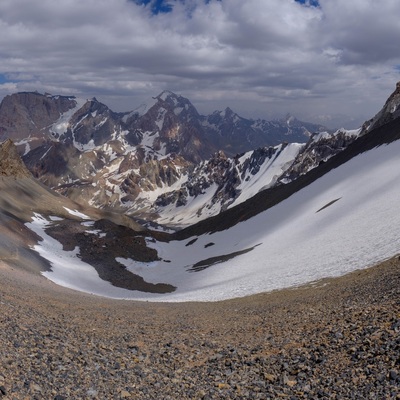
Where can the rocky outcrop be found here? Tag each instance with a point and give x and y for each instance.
(10, 162)
(319, 149)
(389, 112)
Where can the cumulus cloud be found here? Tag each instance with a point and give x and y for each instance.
(259, 57)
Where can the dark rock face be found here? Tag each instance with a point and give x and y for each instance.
(94, 122)
(176, 122)
(318, 150)
(389, 112)
(29, 115)
(257, 159)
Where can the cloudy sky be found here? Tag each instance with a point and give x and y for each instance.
(263, 58)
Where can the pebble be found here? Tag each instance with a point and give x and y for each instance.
(339, 342)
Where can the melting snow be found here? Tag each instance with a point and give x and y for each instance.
(67, 266)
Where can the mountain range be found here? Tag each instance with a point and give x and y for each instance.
(80, 205)
(141, 162)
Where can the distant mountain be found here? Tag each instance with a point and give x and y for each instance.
(233, 134)
(166, 124)
(159, 162)
(127, 160)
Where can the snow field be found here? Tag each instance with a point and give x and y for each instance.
(295, 242)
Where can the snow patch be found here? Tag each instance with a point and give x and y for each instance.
(61, 125)
(76, 213)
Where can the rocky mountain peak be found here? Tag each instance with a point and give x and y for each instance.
(167, 94)
(179, 105)
(10, 162)
(228, 112)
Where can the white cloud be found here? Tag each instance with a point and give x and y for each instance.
(259, 57)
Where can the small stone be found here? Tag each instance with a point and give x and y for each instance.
(35, 387)
(393, 375)
(288, 381)
(222, 385)
(125, 394)
(270, 377)
(291, 383)
(3, 391)
(91, 393)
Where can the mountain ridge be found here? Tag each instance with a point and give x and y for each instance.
(91, 156)
(117, 160)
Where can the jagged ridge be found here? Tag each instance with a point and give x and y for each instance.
(151, 162)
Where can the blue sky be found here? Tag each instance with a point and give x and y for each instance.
(262, 58)
(157, 6)
(313, 3)
(166, 6)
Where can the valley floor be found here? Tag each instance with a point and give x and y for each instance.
(336, 339)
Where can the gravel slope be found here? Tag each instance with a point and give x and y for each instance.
(337, 339)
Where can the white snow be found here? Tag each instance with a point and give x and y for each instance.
(101, 123)
(44, 155)
(76, 213)
(67, 266)
(295, 242)
(327, 135)
(196, 209)
(26, 143)
(165, 94)
(269, 172)
(61, 125)
(206, 204)
(178, 110)
(151, 196)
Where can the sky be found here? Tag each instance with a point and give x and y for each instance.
(332, 61)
